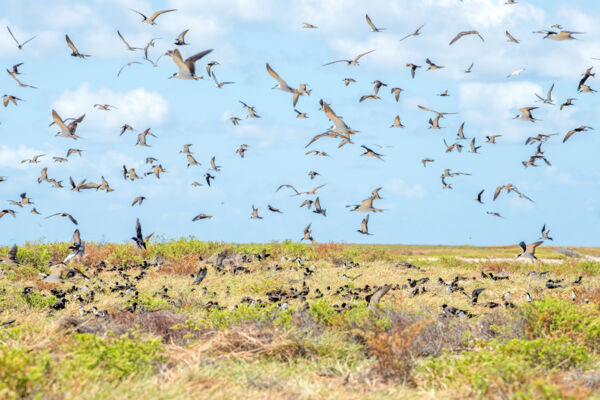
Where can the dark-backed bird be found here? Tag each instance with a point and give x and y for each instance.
(187, 68)
(74, 51)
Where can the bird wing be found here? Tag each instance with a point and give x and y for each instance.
(549, 95)
(511, 37)
(497, 192)
(465, 33)
(59, 122)
(197, 56)
(363, 54)
(527, 109)
(569, 134)
(28, 40)
(307, 229)
(337, 121)
(363, 224)
(71, 45)
(288, 186)
(317, 204)
(274, 75)
(145, 18)
(123, 39)
(12, 254)
(337, 61)
(138, 229)
(321, 135)
(379, 293)
(76, 238)
(178, 60)
(458, 36)
(181, 36)
(156, 14)
(373, 27)
(13, 36)
(530, 248)
(427, 109)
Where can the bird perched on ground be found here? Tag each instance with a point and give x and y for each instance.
(200, 275)
(11, 257)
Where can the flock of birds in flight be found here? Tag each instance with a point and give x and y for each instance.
(339, 130)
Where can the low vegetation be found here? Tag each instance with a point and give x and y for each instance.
(296, 324)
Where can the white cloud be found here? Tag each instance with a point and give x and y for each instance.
(492, 105)
(138, 107)
(400, 187)
(11, 158)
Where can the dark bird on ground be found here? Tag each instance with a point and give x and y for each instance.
(11, 257)
(200, 275)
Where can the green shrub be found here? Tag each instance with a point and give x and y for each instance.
(220, 319)
(36, 300)
(23, 373)
(497, 366)
(112, 358)
(553, 317)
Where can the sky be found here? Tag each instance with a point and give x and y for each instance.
(246, 34)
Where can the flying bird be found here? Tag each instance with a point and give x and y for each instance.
(201, 216)
(466, 33)
(129, 47)
(74, 51)
(150, 20)
(77, 248)
(415, 33)
(372, 25)
(352, 62)
(66, 215)
(511, 38)
(528, 250)
(180, 41)
(20, 45)
(364, 229)
(187, 68)
(139, 239)
(582, 128)
(282, 85)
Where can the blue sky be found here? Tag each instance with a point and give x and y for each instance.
(245, 34)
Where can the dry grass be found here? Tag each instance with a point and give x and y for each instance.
(334, 348)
